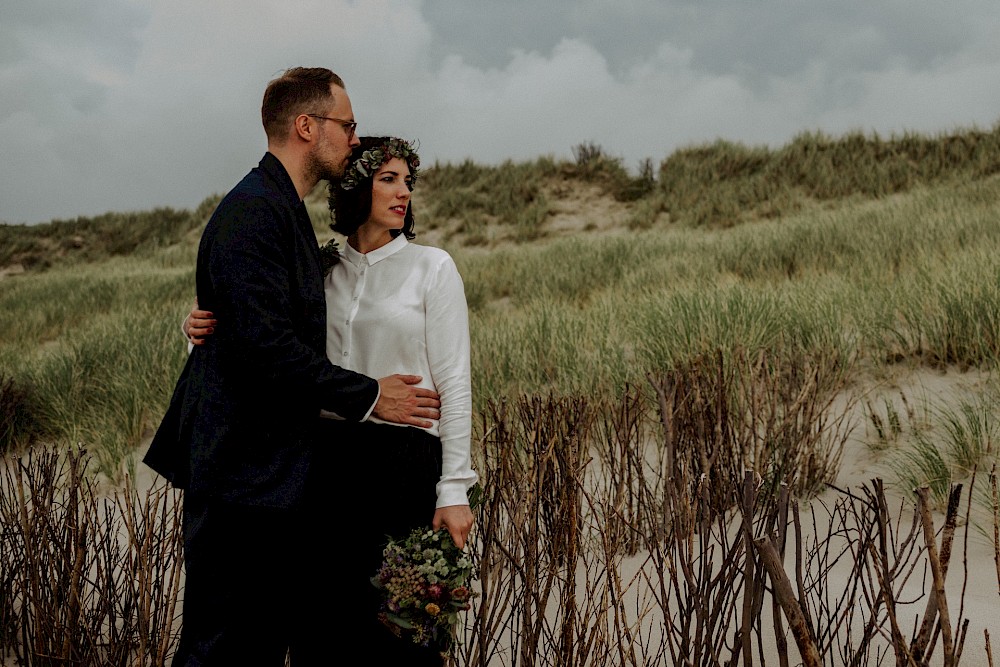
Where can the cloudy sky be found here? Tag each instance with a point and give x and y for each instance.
(117, 105)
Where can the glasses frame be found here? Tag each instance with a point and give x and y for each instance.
(349, 126)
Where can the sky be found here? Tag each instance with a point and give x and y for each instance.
(130, 105)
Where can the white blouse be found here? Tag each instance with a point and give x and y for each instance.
(401, 309)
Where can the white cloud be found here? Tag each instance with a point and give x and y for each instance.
(120, 104)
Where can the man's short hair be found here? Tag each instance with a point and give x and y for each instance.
(298, 90)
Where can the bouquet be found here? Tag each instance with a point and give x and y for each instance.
(424, 581)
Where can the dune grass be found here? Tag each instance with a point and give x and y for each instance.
(95, 347)
(881, 266)
(747, 291)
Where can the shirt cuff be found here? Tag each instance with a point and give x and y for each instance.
(372, 408)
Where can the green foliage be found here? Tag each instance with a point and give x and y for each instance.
(645, 214)
(594, 166)
(913, 278)
(948, 441)
(100, 346)
(887, 425)
(479, 197)
(724, 183)
(512, 201)
(19, 420)
(105, 397)
(99, 238)
(762, 278)
(971, 433)
(922, 463)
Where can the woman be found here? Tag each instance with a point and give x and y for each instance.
(392, 306)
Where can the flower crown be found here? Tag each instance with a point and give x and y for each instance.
(373, 158)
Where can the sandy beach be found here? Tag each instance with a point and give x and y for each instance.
(972, 582)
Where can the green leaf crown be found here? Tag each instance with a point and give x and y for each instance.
(365, 166)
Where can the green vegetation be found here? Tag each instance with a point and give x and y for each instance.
(942, 443)
(883, 251)
(656, 382)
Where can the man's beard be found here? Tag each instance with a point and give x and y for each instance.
(324, 171)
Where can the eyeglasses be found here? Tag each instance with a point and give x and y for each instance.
(349, 125)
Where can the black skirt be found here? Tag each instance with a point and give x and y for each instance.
(368, 482)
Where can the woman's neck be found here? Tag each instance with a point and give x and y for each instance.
(365, 239)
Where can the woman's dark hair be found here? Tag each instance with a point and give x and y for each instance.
(351, 207)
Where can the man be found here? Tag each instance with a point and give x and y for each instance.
(238, 432)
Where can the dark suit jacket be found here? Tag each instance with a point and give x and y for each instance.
(241, 421)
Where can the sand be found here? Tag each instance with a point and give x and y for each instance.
(972, 584)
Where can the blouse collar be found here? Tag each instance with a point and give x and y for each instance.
(377, 255)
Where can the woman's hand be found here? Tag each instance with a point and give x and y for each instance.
(198, 325)
(457, 519)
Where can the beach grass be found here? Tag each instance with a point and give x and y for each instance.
(776, 284)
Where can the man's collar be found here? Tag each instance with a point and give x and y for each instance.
(272, 166)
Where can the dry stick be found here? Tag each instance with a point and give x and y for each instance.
(965, 570)
(8, 563)
(666, 394)
(989, 649)
(616, 591)
(938, 574)
(903, 654)
(779, 632)
(688, 589)
(678, 557)
(174, 581)
(725, 587)
(495, 612)
(32, 594)
(537, 586)
(996, 522)
(864, 524)
(703, 583)
(73, 606)
(502, 596)
(884, 576)
(800, 566)
(845, 519)
(923, 645)
(836, 609)
(151, 606)
(749, 503)
(493, 609)
(141, 549)
(632, 459)
(565, 426)
(569, 535)
(786, 597)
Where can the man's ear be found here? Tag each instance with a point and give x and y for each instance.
(304, 128)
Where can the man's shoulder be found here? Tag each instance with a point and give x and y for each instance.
(266, 184)
(256, 185)
(255, 193)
